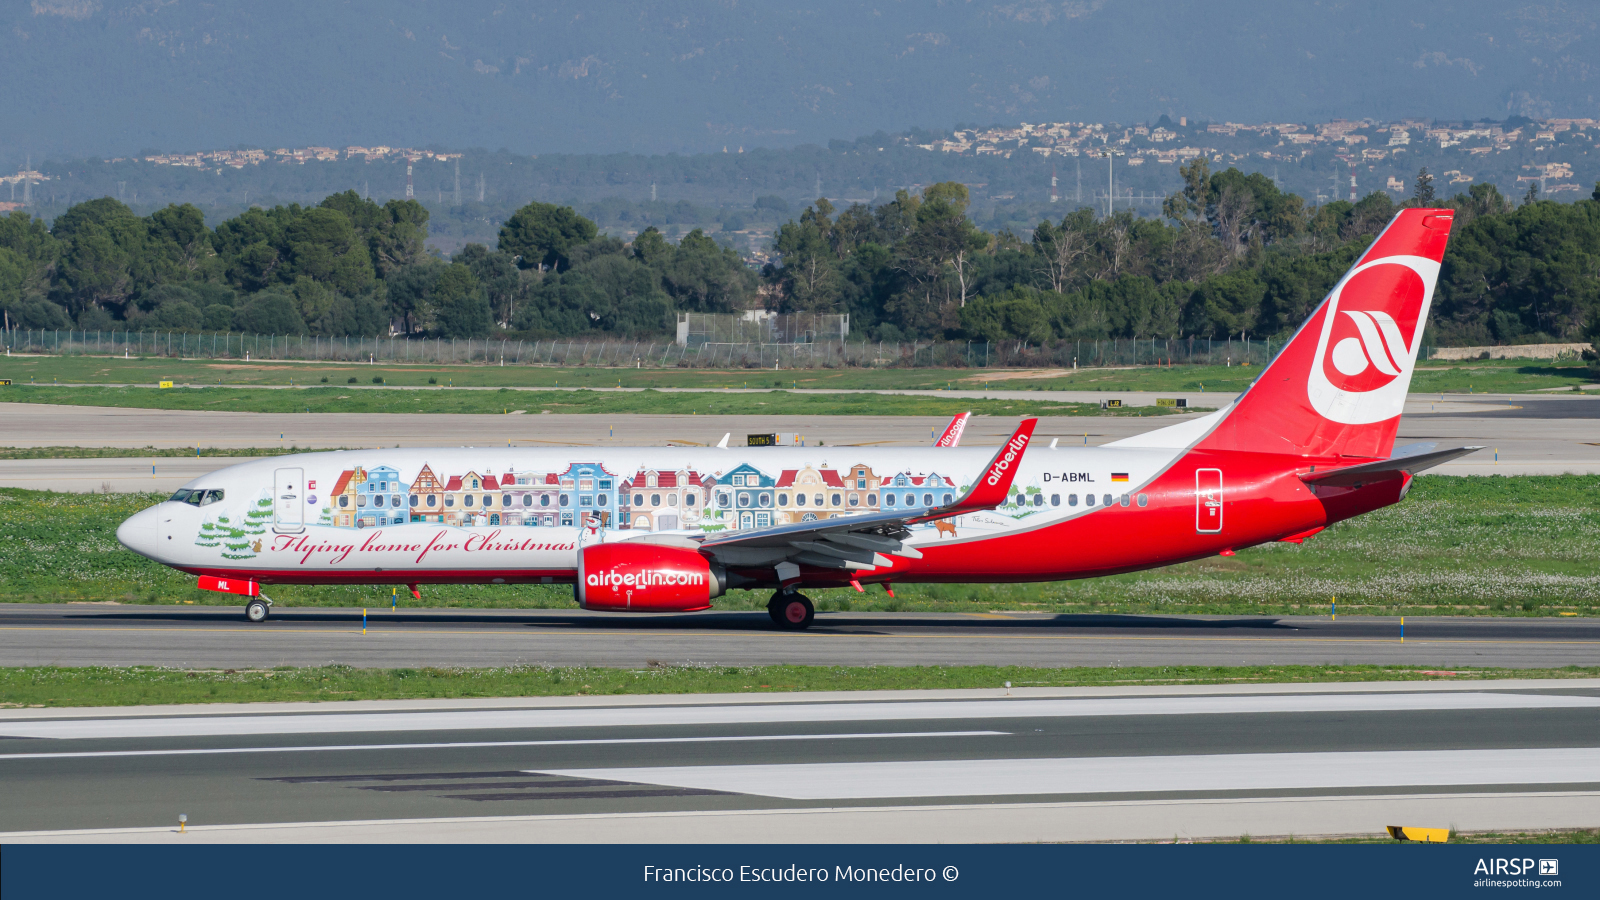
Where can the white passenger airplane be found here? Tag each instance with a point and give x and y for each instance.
(653, 529)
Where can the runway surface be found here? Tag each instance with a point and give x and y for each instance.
(219, 637)
(1048, 764)
(1522, 435)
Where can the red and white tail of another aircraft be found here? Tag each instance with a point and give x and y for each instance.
(953, 431)
(654, 529)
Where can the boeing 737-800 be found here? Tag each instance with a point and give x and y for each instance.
(656, 529)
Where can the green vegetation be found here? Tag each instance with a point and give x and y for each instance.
(1234, 256)
(1559, 836)
(52, 686)
(138, 452)
(1477, 376)
(1521, 546)
(506, 400)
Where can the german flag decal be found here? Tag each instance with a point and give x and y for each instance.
(1119, 476)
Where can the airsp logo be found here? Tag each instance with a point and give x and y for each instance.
(1370, 338)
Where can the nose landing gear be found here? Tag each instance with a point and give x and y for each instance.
(258, 607)
(791, 611)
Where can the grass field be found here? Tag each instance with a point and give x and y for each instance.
(1524, 546)
(1478, 376)
(139, 452)
(344, 401)
(49, 686)
(1558, 836)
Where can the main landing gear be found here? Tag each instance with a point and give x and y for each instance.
(791, 611)
(258, 607)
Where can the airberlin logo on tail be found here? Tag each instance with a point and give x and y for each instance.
(1014, 448)
(1370, 342)
(1370, 334)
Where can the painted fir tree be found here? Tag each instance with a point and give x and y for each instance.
(211, 533)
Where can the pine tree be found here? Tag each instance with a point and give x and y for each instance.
(1423, 195)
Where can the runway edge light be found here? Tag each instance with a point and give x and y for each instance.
(1421, 835)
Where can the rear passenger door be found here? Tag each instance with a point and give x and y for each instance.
(1208, 501)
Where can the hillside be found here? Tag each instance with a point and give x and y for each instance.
(687, 77)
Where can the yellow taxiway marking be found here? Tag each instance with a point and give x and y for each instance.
(551, 632)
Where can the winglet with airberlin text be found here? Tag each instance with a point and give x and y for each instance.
(994, 485)
(952, 432)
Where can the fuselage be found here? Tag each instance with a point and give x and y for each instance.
(521, 516)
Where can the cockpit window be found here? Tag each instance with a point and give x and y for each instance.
(196, 497)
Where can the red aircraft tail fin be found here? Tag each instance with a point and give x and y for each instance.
(1340, 385)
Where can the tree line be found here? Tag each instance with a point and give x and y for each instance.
(1232, 254)
(349, 266)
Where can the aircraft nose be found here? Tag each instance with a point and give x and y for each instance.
(141, 533)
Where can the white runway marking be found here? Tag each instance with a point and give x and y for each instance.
(337, 723)
(1122, 774)
(462, 745)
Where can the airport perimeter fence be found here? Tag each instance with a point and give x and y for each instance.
(649, 354)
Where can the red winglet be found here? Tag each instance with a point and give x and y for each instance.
(952, 432)
(991, 489)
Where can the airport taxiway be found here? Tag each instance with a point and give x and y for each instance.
(1521, 434)
(82, 634)
(1113, 763)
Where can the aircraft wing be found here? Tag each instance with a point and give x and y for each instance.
(1409, 463)
(861, 541)
(952, 432)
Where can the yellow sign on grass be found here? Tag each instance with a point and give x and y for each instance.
(166, 384)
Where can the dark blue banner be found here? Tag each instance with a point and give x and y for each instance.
(1412, 871)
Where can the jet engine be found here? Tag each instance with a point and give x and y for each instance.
(634, 576)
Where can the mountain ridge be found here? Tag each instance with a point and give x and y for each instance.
(112, 77)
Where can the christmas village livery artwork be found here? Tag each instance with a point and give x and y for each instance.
(586, 493)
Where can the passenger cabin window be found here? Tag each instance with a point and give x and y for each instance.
(1088, 499)
(1144, 500)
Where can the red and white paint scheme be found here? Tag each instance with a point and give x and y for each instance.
(953, 431)
(655, 529)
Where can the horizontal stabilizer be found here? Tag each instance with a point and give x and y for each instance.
(1377, 471)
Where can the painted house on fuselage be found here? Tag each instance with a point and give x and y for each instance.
(744, 498)
(427, 497)
(903, 490)
(661, 500)
(587, 489)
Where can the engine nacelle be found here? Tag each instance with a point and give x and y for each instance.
(634, 576)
